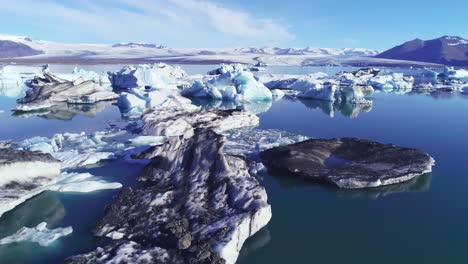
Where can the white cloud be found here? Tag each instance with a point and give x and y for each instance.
(182, 23)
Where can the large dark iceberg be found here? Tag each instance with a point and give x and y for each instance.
(349, 162)
(197, 205)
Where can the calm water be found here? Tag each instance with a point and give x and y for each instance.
(419, 222)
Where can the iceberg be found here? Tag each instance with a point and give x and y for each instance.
(136, 100)
(182, 122)
(82, 183)
(292, 82)
(391, 82)
(159, 76)
(39, 234)
(201, 202)
(13, 78)
(48, 90)
(450, 72)
(236, 85)
(75, 149)
(102, 78)
(24, 174)
(225, 68)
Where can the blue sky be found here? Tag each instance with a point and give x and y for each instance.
(221, 23)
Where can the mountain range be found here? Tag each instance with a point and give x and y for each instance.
(447, 50)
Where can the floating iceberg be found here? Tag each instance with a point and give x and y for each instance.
(225, 68)
(73, 149)
(183, 122)
(85, 75)
(249, 142)
(39, 234)
(82, 182)
(292, 82)
(237, 85)
(50, 90)
(450, 72)
(159, 76)
(136, 100)
(391, 82)
(200, 201)
(13, 78)
(23, 175)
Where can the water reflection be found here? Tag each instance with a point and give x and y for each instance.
(65, 111)
(45, 207)
(253, 107)
(258, 241)
(418, 184)
(330, 108)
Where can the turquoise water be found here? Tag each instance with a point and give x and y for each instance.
(422, 221)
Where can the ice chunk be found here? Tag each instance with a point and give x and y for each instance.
(148, 140)
(48, 90)
(24, 174)
(161, 76)
(76, 149)
(450, 72)
(39, 234)
(225, 68)
(86, 75)
(236, 85)
(136, 100)
(13, 78)
(391, 81)
(82, 182)
(277, 94)
(292, 82)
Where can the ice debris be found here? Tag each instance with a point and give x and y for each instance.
(159, 76)
(82, 183)
(39, 234)
(232, 84)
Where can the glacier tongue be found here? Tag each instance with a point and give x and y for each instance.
(39, 234)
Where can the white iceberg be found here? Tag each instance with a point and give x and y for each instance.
(237, 85)
(136, 100)
(76, 149)
(160, 76)
(102, 78)
(47, 90)
(82, 183)
(391, 82)
(39, 234)
(13, 78)
(23, 175)
(450, 72)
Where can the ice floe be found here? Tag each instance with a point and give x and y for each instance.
(13, 78)
(136, 100)
(101, 78)
(48, 90)
(349, 163)
(39, 234)
(82, 183)
(159, 76)
(23, 175)
(187, 180)
(232, 83)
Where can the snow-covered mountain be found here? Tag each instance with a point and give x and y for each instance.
(46, 51)
(448, 50)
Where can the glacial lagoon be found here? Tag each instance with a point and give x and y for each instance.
(423, 220)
